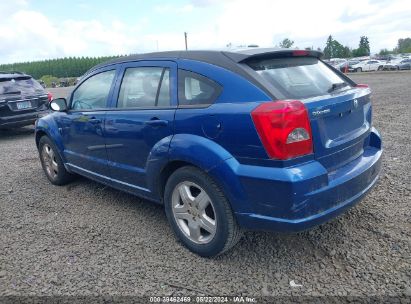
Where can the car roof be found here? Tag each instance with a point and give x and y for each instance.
(226, 59)
(229, 60)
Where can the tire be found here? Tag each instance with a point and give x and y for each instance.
(187, 187)
(380, 68)
(358, 69)
(52, 163)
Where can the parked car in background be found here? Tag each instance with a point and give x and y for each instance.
(345, 66)
(404, 64)
(22, 99)
(392, 64)
(363, 58)
(64, 83)
(335, 62)
(367, 65)
(41, 82)
(385, 58)
(260, 139)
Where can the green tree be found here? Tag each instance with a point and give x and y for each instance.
(48, 79)
(363, 48)
(403, 46)
(384, 52)
(61, 68)
(286, 43)
(328, 50)
(334, 49)
(346, 52)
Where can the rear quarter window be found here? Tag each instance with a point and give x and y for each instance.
(298, 77)
(196, 90)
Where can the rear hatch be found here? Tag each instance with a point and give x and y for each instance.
(339, 112)
(20, 93)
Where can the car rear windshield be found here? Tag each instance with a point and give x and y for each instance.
(25, 85)
(299, 77)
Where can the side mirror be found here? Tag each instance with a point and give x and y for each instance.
(59, 105)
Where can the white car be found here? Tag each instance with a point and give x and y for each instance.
(367, 65)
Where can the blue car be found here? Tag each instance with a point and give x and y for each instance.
(259, 139)
(405, 64)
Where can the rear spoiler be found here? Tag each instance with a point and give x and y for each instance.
(9, 78)
(251, 54)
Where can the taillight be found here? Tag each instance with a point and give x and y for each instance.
(284, 128)
(362, 85)
(49, 96)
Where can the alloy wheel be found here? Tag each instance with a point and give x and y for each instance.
(194, 212)
(49, 160)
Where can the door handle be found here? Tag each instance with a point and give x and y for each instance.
(155, 122)
(94, 120)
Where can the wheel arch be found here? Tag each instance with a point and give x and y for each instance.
(201, 153)
(39, 134)
(46, 126)
(167, 171)
(181, 150)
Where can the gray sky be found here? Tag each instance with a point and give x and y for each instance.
(42, 29)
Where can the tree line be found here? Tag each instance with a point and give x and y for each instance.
(334, 49)
(60, 68)
(76, 66)
(403, 46)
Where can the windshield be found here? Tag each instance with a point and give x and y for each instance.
(25, 85)
(299, 77)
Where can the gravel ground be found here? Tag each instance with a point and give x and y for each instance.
(88, 239)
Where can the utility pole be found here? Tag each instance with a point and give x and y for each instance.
(185, 38)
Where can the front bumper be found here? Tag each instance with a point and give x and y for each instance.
(308, 195)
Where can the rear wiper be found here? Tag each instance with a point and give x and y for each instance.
(336, 86)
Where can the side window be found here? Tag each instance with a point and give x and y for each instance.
(93, 93)
(145, 87)
(195, 89)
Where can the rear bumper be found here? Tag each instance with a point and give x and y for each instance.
(297, 198)
(21, 119)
